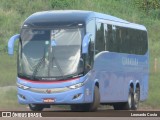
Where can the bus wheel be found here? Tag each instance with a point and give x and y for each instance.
(136, 98)
(88, 106)
(96, 100)
(36, 107)
(129, 105)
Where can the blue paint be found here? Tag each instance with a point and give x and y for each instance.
(115, 76)
(61, 98)
(85, 43)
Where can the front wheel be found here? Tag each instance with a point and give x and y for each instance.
(89, 106)
(36, 107)
(96, 100)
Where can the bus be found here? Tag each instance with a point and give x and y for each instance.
(81, 58)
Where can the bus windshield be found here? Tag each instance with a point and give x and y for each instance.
(50, 54)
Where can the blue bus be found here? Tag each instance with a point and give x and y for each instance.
(82, 59)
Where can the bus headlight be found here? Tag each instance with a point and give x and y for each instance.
(76, 86)
(22, 86)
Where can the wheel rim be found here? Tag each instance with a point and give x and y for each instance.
(130, 100)
(136, 98)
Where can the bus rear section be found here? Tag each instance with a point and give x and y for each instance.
(121, 63)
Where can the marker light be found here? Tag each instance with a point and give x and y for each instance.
(22, 86)
(76, 86)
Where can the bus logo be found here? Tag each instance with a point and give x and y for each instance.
(48, 91)
(129, 61)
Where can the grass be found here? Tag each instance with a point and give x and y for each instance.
(154, 96)
(7, 70)
(8, 97)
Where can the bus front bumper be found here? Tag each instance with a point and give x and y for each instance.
(72, 96)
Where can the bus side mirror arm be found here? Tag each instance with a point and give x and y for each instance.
(11, 43)
(85, 43)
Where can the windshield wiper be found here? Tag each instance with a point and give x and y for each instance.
(38, 66)
(73, 76)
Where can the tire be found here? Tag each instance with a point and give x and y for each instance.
(96, 100)
(136, 98)
(91, 106)
(129, 105)
(36, 107)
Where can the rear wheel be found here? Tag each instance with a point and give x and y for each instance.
(91, 106)
(136, 98)
(129, 105)
(36, 107)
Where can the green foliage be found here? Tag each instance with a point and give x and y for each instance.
(147, 4)
(61, 4)
(153, 96)
(8, 98)
(7, 70)
(150, 7)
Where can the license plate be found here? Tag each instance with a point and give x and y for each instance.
(48, 100)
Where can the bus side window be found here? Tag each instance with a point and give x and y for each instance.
(106, 37)
(100, 38)
(110, 39)
(89, 57)
(91, 53)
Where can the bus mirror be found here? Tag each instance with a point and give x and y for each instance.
(11, 44)
(85, 43)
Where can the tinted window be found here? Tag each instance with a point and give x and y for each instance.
(100, 39)
(126, 40)
(90, 28)
(132, 41)
(120, 39)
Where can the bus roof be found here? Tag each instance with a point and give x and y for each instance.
(72, 16)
